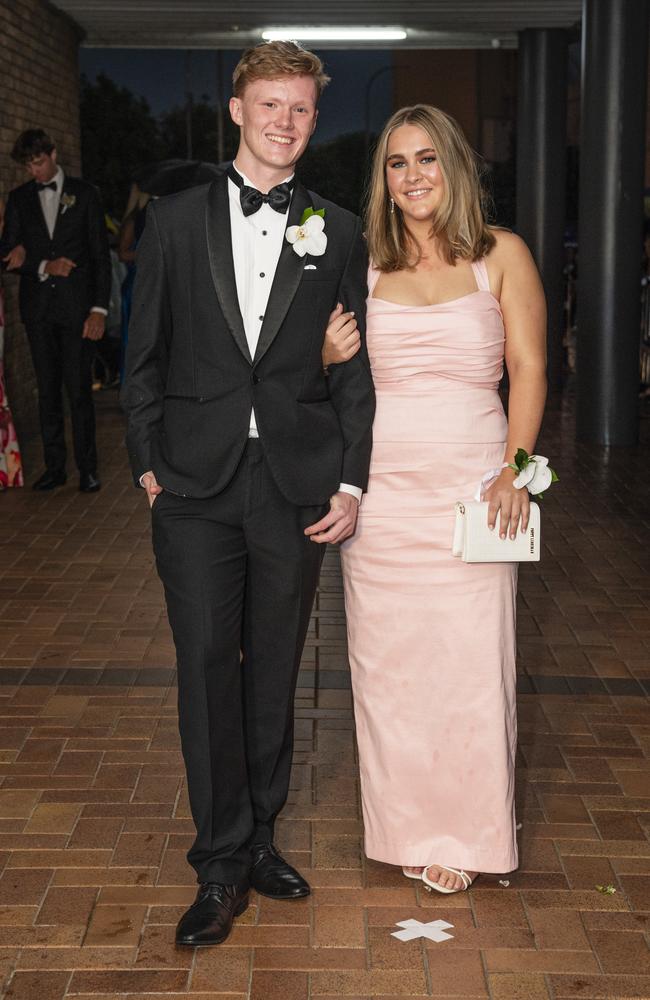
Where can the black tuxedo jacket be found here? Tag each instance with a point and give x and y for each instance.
(79, 234)
(191, 381)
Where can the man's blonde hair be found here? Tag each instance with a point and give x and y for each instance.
(273, 60)
(459, 222)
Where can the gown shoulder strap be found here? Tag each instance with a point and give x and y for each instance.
(373, 278)
(480, 273)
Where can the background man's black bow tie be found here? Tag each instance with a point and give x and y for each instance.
(46, 187)
(251, 200)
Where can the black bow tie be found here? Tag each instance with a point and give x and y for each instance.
(46, 187)
(251, 200)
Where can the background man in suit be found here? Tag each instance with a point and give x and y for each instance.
(252, 459)
(64, 292)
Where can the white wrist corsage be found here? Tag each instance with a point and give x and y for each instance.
(534, 473)
(309, 237)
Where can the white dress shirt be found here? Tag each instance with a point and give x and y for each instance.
(256, 246)
(50, 202)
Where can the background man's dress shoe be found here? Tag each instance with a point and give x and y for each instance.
(272, 876)
(88, 483)
(49, 480)
(210, 917)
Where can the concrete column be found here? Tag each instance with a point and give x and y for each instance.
(541, 169)
(612, 154)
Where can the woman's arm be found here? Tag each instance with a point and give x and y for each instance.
(524, 316)
(125, 250)
(342, 338)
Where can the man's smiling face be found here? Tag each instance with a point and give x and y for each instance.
(276, 119)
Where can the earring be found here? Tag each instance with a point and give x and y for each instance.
(392, 207)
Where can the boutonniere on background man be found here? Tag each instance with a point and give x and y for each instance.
(67, 201)
(309, 237)
(534, 473)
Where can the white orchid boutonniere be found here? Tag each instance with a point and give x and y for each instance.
(309, 237)
(67, 201)
(534, 473)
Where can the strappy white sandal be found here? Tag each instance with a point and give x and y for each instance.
(467, 881)
(414, 875)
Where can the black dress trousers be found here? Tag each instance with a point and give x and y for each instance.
(62, 357)
(239, 575)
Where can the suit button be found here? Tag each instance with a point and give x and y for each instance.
(255, 379)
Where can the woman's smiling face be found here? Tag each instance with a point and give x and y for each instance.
(413, 176)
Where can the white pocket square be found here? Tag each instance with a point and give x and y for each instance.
(310, 267)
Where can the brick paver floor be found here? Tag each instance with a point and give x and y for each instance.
(94, 820)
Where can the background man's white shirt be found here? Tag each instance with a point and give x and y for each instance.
(50, 200)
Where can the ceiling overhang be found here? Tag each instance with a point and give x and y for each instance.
(211, 24)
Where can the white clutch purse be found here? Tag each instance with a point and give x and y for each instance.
(474, 542)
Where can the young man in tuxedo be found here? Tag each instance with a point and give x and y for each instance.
(64, 291)
(252, 458)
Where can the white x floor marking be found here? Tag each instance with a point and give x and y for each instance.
(435, 930)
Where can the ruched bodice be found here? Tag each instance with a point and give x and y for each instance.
(431, 639)
(413, 346)
(441, 363)
(456, 342)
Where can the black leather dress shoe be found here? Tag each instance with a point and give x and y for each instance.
(88, 483)
(49, 480)
(272, 876)
(210, 917)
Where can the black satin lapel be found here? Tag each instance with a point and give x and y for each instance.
(38, 210)
(287, 277)
(217, 224)
(62, 211)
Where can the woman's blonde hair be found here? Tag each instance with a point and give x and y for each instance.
(459, 222)
(273, 60)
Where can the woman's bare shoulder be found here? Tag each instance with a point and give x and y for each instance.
(508, 248)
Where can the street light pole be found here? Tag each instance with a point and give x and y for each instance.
(219, 104)
(375, 75)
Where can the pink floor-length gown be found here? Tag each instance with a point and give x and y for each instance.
(432, 639)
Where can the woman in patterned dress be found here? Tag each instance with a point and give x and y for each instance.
(11, 473)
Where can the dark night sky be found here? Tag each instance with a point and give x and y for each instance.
(158, 75)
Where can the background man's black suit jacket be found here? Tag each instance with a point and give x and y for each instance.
(80, 234)
(190, 378)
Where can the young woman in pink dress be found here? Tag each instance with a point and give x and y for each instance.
(431, 638)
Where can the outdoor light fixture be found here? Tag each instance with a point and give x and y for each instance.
(334, 34)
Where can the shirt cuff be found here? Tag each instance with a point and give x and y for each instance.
(354, 491)
(99, 309)
(41, 271)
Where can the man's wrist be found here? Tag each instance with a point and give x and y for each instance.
(354, 491)
(99, 309)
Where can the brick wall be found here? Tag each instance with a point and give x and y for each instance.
(40, 88)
